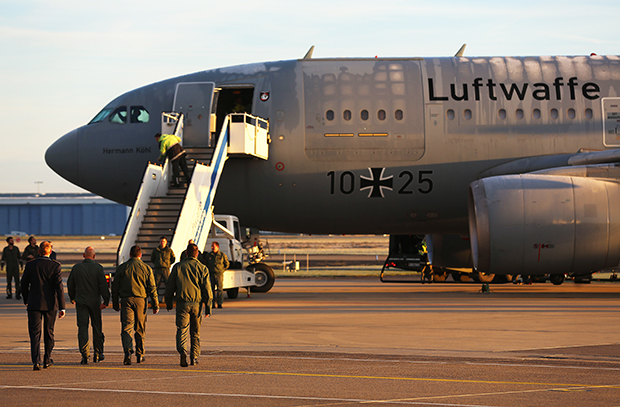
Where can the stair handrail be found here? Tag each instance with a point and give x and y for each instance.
(196, 215)
(155, 182)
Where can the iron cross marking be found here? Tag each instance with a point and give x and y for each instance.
(376, 183)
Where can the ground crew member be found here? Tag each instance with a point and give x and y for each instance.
(190, 281)
(31, 251)
(162, 258)
(170, 146)
(133, 282)
(217, 262)
(87, 287)
(14, 263)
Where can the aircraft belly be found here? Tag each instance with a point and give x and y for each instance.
(359, 200)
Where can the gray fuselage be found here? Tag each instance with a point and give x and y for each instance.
(370, 145)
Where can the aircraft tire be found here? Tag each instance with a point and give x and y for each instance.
(439, 277)
(461, 277)
(265, 277)
(232, 293)
(556, 279)
(483, 277)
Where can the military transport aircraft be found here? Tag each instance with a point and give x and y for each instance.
(507, 162)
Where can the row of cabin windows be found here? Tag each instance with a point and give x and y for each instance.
(137, 114)
(520, 114)
(364, 115)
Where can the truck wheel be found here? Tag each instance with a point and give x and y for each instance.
(265, 277)
(232, 293)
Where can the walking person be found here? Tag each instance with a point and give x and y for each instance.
(218, 263)
(44, 295)
(162, 258)
(133, 283)
(88, 290)
(31, 251)
(14, 263)
(189, 285)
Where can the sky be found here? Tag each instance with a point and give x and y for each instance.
(61, 61)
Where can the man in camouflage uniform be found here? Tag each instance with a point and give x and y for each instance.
(190, 281)
(133, 282)
(87, 287)
(31, 251)
(162, 258)
(217, 262)
(13, 261)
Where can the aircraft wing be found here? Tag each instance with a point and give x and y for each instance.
(598, 164)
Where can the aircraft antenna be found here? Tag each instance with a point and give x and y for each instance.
(461, 51)
(309, 53)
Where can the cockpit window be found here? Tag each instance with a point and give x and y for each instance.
(139, 114)
(101, 115)
(119, 115)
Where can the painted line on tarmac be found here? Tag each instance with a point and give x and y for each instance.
(330, 376)
(500, 393)
(240, 395)
(429, 362)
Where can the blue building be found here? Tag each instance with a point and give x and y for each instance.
(61, 214)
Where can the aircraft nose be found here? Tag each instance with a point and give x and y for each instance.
(62, 156)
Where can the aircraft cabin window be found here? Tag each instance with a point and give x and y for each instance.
(589, 113)
(364, 114)
(139, 115)
(467, 114)
(536, 113)
(519, 114)
(119, 115)
(398, 114)
(502, 114)
(554, 113)
(346, 115)
(101, 115)
(450, 114)
(571, 113)
(381, 115)
(329, 115)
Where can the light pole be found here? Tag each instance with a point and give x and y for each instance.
(38, 186)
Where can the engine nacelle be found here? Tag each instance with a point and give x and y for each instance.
(543, 224)
(451, 251)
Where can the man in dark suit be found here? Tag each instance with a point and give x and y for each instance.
(43, 293)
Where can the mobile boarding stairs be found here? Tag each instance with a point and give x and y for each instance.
(186, 213)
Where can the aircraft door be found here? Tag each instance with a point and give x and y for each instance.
(611, 122)
(194, 100)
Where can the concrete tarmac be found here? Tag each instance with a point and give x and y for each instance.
(347, 341)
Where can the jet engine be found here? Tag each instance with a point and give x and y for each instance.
(543, 224)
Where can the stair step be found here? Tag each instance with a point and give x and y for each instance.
(161, 212)
(169, 205)
(156, 230)
(151, 228)
(148, 218)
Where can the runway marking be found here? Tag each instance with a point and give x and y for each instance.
(429, 362)
(489, 394)
(332, 376)
(263, 396)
